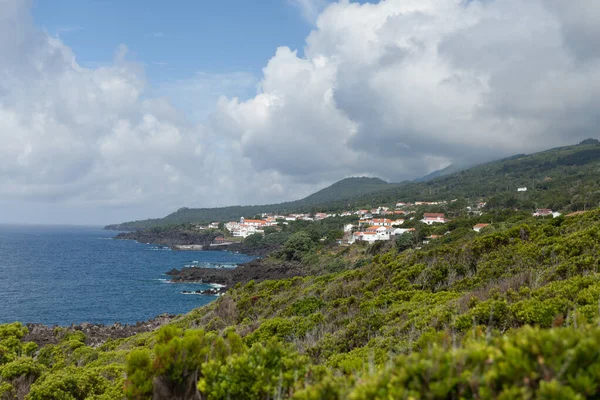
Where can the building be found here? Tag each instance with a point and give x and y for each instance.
(402, 231)
(383, 222)
(365, 221)
(542, 212)
(434, 218)
(546, 212)
(244, 231)
(253, 222)
(372, 234)
(522, 189)
(430, 238)
(479, 227)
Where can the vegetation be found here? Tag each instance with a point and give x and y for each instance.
(511, 312)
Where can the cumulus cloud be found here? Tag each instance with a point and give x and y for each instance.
(394, 89)
(90, 136)
(399, 88)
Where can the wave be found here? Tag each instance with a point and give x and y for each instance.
(202, 294)
(215, 285)
(159, 249)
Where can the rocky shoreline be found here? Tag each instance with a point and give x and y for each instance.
(194, 240)
(96, 334)
(171, 238)
(256, 270)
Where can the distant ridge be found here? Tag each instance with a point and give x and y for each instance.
(564, 178)
(450, 169)
(345, 190)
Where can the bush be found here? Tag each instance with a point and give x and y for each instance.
(299, 244)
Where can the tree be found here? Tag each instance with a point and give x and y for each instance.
(404, 241)
(297, 246)
(254, 240)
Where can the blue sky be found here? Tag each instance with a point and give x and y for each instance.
(176, 40)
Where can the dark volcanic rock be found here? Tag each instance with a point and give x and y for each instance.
(172, 237)
(96, 334)
(257, 270)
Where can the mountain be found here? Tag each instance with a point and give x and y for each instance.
(450, 169)
(346, 189)
(565, 178)
(329, 197)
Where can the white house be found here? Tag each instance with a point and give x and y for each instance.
(372, 234)
(384, 222)
(545, 212)
(244, 231)
(434, 218)
(522, 189)
(402, 231)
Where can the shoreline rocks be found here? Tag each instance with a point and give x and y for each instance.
(96, 334)
(257, 270)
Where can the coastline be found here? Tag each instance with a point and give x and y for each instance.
(96, 334)
(258, 269)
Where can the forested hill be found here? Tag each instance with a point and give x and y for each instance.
(566, 178)
(330, 197)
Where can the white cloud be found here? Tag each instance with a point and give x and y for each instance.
(402, 87)
(393, 89)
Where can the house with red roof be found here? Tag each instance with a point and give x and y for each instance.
(434, 218)
(479, 227)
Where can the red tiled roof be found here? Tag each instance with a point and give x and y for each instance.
(434, 215)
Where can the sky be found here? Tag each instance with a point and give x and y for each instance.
(121, 110)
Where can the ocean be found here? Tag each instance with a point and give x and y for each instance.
(60, 275)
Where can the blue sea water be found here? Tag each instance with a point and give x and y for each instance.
(64, 274)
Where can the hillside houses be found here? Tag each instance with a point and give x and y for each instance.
(369, 220)
(379, 222)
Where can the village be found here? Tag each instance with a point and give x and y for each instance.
(378, 224)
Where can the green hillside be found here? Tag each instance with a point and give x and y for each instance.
(345, 189)
(566, 178)
(450, 169)
(508, 313)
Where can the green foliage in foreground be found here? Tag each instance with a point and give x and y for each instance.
(509, 313)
